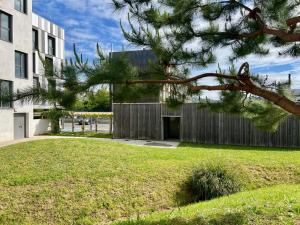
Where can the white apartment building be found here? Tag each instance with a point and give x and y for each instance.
(22, 35)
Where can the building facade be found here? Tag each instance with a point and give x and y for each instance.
(142, 60)
(22, 35)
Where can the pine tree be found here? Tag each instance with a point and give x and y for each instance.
(246, 26)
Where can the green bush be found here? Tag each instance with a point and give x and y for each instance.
(210, 182)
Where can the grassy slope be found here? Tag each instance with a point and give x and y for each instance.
(84, 181)
(276, 205)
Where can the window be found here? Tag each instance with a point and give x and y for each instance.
(36, 82)
(21, 65)
(21, 5)
(49, 68)
(51, 46)
(33, 63)
(5, 89)
(5, 27)
(39, 113)
(35, 39)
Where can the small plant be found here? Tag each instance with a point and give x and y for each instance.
(210, 182)
(54, 115)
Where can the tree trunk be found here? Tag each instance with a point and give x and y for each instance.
(55, 129)
(110, 126)
(96, 125)
(83, 126)
(62, 123)
(73, 125)
(91, 124)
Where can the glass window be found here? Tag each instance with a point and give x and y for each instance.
(5, 27)
(49, 70)
(35, 40)
(51, 46)
(20, 5)
(33, 63)
(5, 89)
(49, 66)
(21, 65)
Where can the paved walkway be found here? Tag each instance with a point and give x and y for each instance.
(159, 144)
(7, 143)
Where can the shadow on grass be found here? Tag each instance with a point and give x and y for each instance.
(235, 147)
(228, 219)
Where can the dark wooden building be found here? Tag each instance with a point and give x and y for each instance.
(140, 59)
(154, 121)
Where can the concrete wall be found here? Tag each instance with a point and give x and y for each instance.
(7, 125)
(22, 41)
(41, 126)
(45, 28)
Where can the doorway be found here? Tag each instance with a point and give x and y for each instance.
(19, 126)
(171, 128)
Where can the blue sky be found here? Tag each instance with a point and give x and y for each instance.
(88, 22)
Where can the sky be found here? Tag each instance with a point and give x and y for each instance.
(88, 22)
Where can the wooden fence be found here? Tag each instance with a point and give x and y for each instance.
(145, 122)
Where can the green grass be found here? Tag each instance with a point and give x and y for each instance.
(85, 134)
(79, 181)
(276, 205)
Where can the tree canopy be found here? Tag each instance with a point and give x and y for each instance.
(94, 101)
(171, 27)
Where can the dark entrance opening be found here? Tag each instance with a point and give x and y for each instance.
(171, 128)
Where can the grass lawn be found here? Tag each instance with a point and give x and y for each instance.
(78, 181)
(275, 205)
(81, 134)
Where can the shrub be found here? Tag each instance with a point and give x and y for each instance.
(210, 182)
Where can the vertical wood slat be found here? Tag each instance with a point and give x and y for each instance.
(143, 121)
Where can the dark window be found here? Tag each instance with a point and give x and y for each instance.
(35, 39)
(36, 82)
(5, 27)
(6, 90)
(49, 68)
(21, 65)
(50, 73)
(51, 46)
(33, 63)
(39, 113)
(21, 5)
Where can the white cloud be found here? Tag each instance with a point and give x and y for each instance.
(71, 22)
(100, 9)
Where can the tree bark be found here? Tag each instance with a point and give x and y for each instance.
(293, 21)
(275, 98)
(243, 83)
